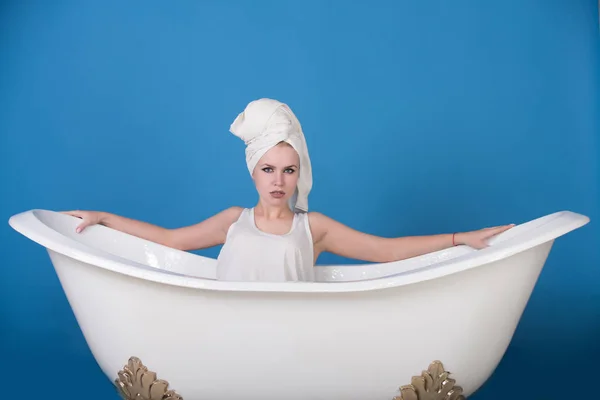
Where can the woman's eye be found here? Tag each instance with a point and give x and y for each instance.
(267, 169)
(290, 170)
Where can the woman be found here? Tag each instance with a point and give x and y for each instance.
(278, 239)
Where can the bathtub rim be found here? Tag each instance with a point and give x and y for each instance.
(557, 224)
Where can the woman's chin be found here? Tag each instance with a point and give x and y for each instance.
(275, 200)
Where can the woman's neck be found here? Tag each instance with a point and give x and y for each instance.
(272, 212)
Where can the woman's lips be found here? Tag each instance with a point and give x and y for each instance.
(278, 194)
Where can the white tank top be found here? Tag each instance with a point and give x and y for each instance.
(250, 254)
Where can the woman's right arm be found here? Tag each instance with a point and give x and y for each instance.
(208, 233)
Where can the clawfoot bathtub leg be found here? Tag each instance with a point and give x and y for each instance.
(135, 382)
(433, 384)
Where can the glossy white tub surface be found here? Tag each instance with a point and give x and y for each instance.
(360, 332)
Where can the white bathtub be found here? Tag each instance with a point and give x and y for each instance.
(360, 333)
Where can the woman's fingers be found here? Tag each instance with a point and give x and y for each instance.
(503, 228)
(77, 214)
(478, 239)
(82, 226)
(497, 230)
(498, 227)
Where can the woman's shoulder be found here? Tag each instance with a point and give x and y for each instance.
(317, 217)
(318, 222)
(229, 215)
(234, 211)
(321, 223)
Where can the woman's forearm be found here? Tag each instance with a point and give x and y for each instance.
(413, 246)
(137, 228)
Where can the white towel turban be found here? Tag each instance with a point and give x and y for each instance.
(263, 124)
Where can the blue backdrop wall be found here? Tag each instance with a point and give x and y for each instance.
(421, 117)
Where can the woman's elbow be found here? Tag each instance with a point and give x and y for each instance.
(172, 240)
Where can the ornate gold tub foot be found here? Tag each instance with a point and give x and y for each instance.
(135, 382)
(433, 384)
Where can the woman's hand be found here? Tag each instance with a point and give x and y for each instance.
(478, 239)
(89, 218)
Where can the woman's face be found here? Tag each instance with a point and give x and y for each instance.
(276, 174)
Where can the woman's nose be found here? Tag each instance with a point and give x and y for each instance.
(279, 179)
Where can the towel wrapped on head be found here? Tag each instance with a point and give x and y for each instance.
(262, 125)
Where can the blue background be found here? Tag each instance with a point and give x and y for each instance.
(421, 117)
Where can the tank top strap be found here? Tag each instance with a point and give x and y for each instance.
(242, 220)
(303, 224)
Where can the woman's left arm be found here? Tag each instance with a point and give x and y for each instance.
(334, 237)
